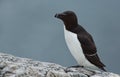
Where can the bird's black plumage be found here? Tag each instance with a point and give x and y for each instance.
(86, 41)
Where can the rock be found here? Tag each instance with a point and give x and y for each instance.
(11, 66)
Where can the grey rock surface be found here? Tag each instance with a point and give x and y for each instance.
(11, 66)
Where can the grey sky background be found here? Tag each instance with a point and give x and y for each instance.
(28, 29)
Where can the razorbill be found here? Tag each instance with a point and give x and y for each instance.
(79, 41)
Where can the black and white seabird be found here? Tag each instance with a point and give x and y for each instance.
(79, 41)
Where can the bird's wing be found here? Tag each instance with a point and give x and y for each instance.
(89, 49)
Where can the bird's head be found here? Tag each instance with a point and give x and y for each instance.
(68, 17)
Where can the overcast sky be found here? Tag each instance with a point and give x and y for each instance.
(28, 29)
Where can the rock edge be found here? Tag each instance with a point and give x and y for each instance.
(11, 66)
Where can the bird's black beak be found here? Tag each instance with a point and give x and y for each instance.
(56, 15)
(60, 15)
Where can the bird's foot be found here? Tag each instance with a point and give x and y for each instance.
(79, 68)
(76, 66)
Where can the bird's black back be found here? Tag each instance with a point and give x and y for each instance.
(88, 46)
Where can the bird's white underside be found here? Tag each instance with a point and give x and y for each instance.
(76, 50)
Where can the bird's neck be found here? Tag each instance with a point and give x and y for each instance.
(76, 28)
(71, 26)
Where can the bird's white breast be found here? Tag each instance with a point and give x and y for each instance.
(75, 48)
